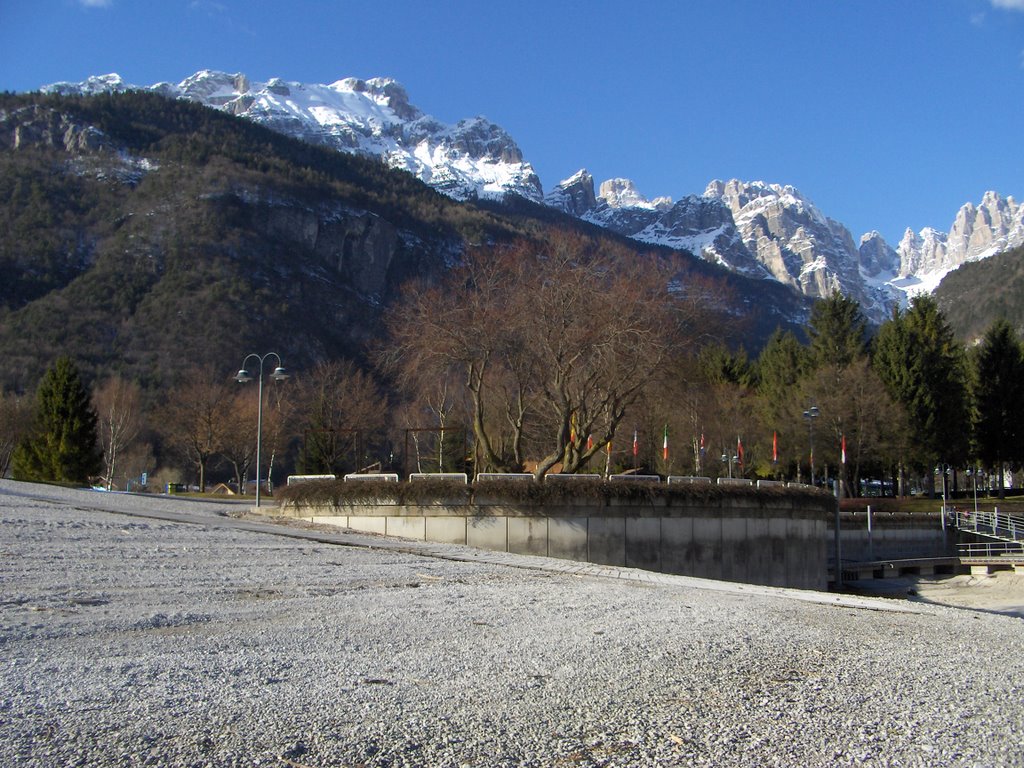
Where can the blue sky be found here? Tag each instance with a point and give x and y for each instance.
(885, 113)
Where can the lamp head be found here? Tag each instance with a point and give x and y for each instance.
(242, 376)
(279, 374)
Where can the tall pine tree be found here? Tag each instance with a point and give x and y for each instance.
(999, 398)
(923, 367)
(838, 332)
(62, 446)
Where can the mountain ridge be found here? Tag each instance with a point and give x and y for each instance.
(755, 228)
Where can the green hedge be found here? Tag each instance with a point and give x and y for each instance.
(338, 492)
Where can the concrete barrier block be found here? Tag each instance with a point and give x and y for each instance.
(655, 479)
(458, 477)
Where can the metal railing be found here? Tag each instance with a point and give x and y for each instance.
(996, 524)
(991, 550)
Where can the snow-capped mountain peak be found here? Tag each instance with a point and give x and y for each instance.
(622, 193)
(95, 84)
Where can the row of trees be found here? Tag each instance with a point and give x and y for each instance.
(568, 356)
(905, 403)
(205, 423)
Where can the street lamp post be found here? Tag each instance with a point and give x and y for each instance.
(811, 414)
(972, 472)
(279, 374)
(728, 458)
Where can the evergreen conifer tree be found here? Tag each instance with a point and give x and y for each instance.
(999, 398)
(923, 367)
(62, 445)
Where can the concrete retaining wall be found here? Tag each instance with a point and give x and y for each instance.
(893, 537)
(757, 541)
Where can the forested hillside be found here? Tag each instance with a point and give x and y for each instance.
(142, 235)
(980, 292)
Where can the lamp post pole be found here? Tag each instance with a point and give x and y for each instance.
(811, 414)
(728, 458)
(242, 377)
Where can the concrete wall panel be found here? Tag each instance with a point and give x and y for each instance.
(407, 527)
(607, 540)
(528, 535)
(368, 524)
(567, 538)
(643, 543)
(735, 549)
(678, 549)
(446, 530)
(339, 520)
(488, 533)
(707, 538)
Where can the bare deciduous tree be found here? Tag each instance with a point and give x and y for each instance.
(15, 423)
(555, 341)
(194, 419)
(238, 448)
(117, 404)
(342, 413)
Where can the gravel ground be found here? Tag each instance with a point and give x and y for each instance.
(131, 641)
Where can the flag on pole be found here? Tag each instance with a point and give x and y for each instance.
(664, 446)
(636, 444)
(844, 449)
(775, 447)
(703, 450)
(739, 451)
(590, 442)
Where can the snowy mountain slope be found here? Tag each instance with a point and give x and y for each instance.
(473, 158)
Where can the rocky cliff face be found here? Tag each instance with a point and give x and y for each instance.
(39, 126)
(700, 225)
